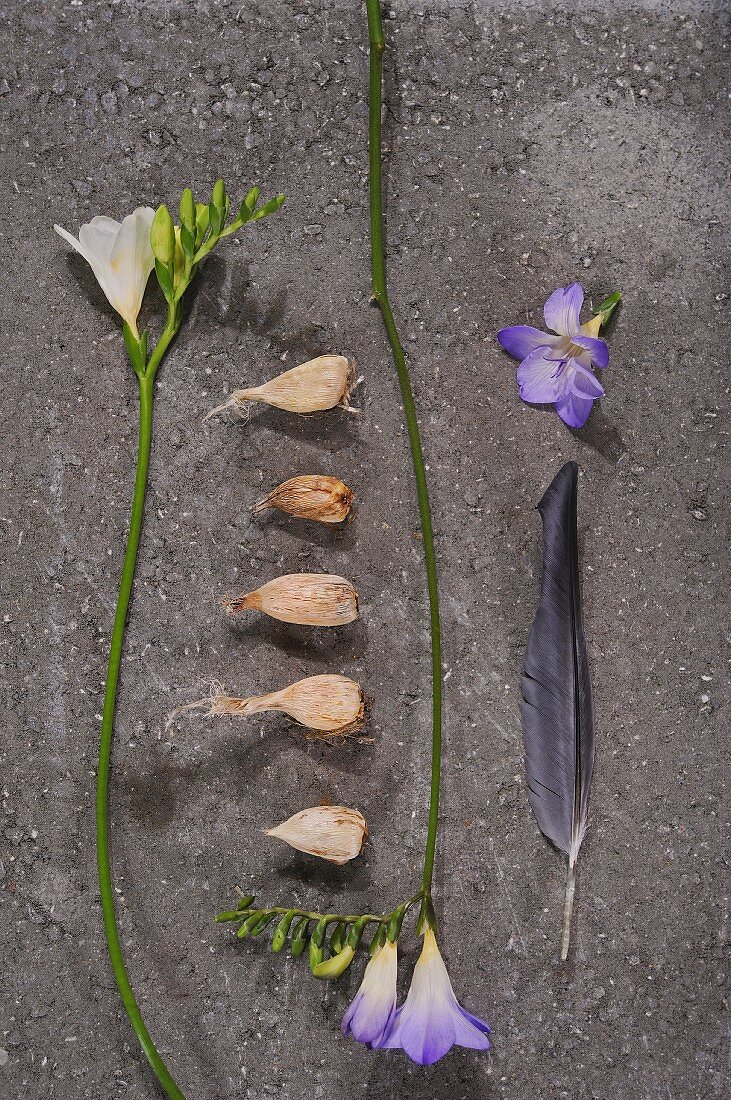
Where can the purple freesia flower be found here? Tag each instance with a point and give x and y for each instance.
(557, 368)
(431, 1020)
(372, 1009)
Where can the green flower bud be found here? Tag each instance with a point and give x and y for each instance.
(317, 940)
(337, 965)
(354, 936)
(299, 937)
(201, 222)
(316, 956)
(268, 208)
(187, 245)
(282, 931)
(218, 195)
(244, 903)
(162, 236)
(337, 940)
(249, 923)
(249, 204)
(262, 923)
(187, 210)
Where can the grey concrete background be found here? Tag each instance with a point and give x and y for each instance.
(526, 147)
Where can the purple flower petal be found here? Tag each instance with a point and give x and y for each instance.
(540, 379)
(521, 340)
(598, 350)
(431, 1020)
(371, 1012)
(483, 1027)
(471, 1031)
(424, 1038)
(582, 382)
(365, 1022)
(574, 410)
(561, 311)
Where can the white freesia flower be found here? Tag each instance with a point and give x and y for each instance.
(120, 255)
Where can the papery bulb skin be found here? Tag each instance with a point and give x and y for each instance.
(317, 497)
(326, 705)
(334, 833)
(315, 386)
(307, 599)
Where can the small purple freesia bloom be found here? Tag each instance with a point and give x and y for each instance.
(557, 368)
(431, 1021)
(372, 1009)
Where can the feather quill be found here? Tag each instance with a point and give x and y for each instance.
(556, 712)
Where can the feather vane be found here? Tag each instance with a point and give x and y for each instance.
(556, 712)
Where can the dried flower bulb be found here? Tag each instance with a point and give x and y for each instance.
(331, 705)
(310, 599)
(311, 496)
(334, 833)
(320, 384)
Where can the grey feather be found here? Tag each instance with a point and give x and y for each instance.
(556, 712)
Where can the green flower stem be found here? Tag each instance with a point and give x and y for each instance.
(328, 918)
(146, 389)
(380, 296)
(168, 335)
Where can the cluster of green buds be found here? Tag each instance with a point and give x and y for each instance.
(331, 939)
(179, 249)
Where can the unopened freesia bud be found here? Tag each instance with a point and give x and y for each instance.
(310, 496)
(332, 968)
(315, 386)
(218, 195)
(334, 833)
(162, 236)
(310, 599)
(187, 210)
(201, 221)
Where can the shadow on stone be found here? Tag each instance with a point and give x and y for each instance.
(601, 435)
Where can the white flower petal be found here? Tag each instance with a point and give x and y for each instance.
(71, 240)
(98, 237)
(120, 255)
(132, 260)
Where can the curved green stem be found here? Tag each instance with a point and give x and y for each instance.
(329, 918)
(380, 296)
(146, 384)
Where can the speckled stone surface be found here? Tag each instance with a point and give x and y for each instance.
(525, 148)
